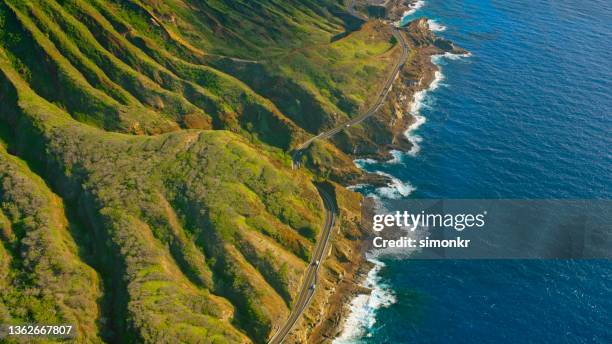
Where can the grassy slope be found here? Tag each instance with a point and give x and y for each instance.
(242, 28)
(348, 71)
(313, 77)
(43, 279)
(187, 235)
(177, 212)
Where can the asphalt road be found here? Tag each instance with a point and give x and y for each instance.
(309, 284)
(380, 100)
(307, 289)
(351, 10)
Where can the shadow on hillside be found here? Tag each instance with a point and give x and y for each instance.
(351, 24)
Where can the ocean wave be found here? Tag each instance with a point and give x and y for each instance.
(362, 163)
(396, 157)
(439, 59)
(396, 189)
(415, 139)
(435, 26)
(361, 188)
(363, 307)
(413, 8)
(418, 102)
(356, 186)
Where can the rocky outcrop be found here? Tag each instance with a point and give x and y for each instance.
(421, 36)
(397, 8)
(385, 131)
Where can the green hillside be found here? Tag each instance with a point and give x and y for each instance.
(146, 189)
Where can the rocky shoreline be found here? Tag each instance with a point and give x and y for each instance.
(397, 8)
(385, 132)
(324, 321)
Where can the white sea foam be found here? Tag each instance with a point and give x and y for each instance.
(418, 102)
(356, 187)
(439, 59)
(361, 188)
(361, 163)
(396, 189)
(435, 26)
(438, 77)
(396, 157)
(415, 139)
(413, 8)
(363, 307)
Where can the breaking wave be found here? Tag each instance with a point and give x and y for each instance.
(435, 26)
(396, 157)
(413, 8)
(418, 102)
(395, 189)
(363, 307)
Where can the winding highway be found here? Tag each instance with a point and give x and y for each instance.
(380, 100)
(309, 284)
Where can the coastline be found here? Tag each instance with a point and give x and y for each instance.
(350, 275)
(359, 314)
(452, 101)
(400, 117)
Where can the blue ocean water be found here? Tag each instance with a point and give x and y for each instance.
(527, 116)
